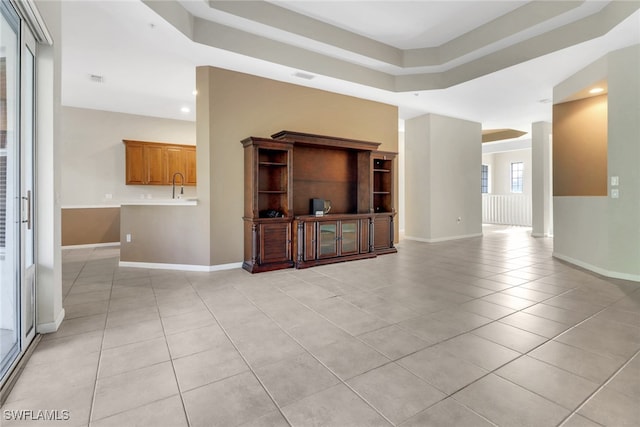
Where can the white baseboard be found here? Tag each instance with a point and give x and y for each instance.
(541, 235)
(182, 267)
(599, 270)
(51, 327)
(442, 239)
(92, 245)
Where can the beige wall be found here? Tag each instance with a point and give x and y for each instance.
(162, 234)
(230, 107)
(93, 159)
(172, 234)
(245, 105)
(93, 166)
(90, 225)
(580, 147)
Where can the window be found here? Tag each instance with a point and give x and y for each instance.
(516, 177)
(484, 179)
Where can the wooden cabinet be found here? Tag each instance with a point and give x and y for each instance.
(190, 176)
(174, 163)
(382, 184)
(136, 169)
(283, 174)
(383, 233)
(155, 159)
(382, 190)
(275, 242)
(337, 238)
(325, 239)
(267, 205)
(267, 245)
(152, 163)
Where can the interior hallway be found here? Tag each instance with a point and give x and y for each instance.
(482, 331)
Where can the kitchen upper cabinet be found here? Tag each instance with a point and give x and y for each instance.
(189, 166)
(135, 161)
(155, 157)
(152, 163)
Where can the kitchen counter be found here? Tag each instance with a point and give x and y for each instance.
(161, 202)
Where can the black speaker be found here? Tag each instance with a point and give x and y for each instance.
(316, 205)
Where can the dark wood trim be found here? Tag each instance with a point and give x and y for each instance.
(325, 141)
(344, 258)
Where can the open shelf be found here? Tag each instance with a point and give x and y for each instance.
(382, 184)
(273, 181)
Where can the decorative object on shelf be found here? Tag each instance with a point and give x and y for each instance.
(316, 207)
(327, 206)
(286, 225)
(271, 213)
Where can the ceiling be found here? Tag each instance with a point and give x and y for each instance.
(493, 62)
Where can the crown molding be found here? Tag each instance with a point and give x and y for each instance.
(470, 49)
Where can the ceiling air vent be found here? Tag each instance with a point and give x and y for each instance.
(302, 75)
(95, 78)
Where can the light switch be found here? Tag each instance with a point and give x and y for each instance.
(615, 193)
(615, 181)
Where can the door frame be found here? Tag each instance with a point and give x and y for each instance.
(28, 188)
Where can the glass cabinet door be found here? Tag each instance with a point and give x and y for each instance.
(328, 239)
(349, 237)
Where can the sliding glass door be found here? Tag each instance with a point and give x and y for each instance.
(17, 142)
(9, 188)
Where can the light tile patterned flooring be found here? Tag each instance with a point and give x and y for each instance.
(476, 332)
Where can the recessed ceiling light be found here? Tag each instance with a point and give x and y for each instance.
(96, 78)
(596, 90)
(544, 101)
(185, 109)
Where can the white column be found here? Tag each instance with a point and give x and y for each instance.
(49, 270)
(442, 185)
(542, 191)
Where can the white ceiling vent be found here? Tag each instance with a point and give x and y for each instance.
(95, 78)
(302, 75)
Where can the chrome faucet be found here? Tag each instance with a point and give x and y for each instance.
(173, 182)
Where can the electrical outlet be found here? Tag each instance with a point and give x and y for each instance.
(108, 196)
(128, 237)
(615, 193)
(615, 181)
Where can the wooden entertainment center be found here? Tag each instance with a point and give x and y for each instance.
(283, 173)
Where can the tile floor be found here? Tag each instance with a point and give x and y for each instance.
(476, 332)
